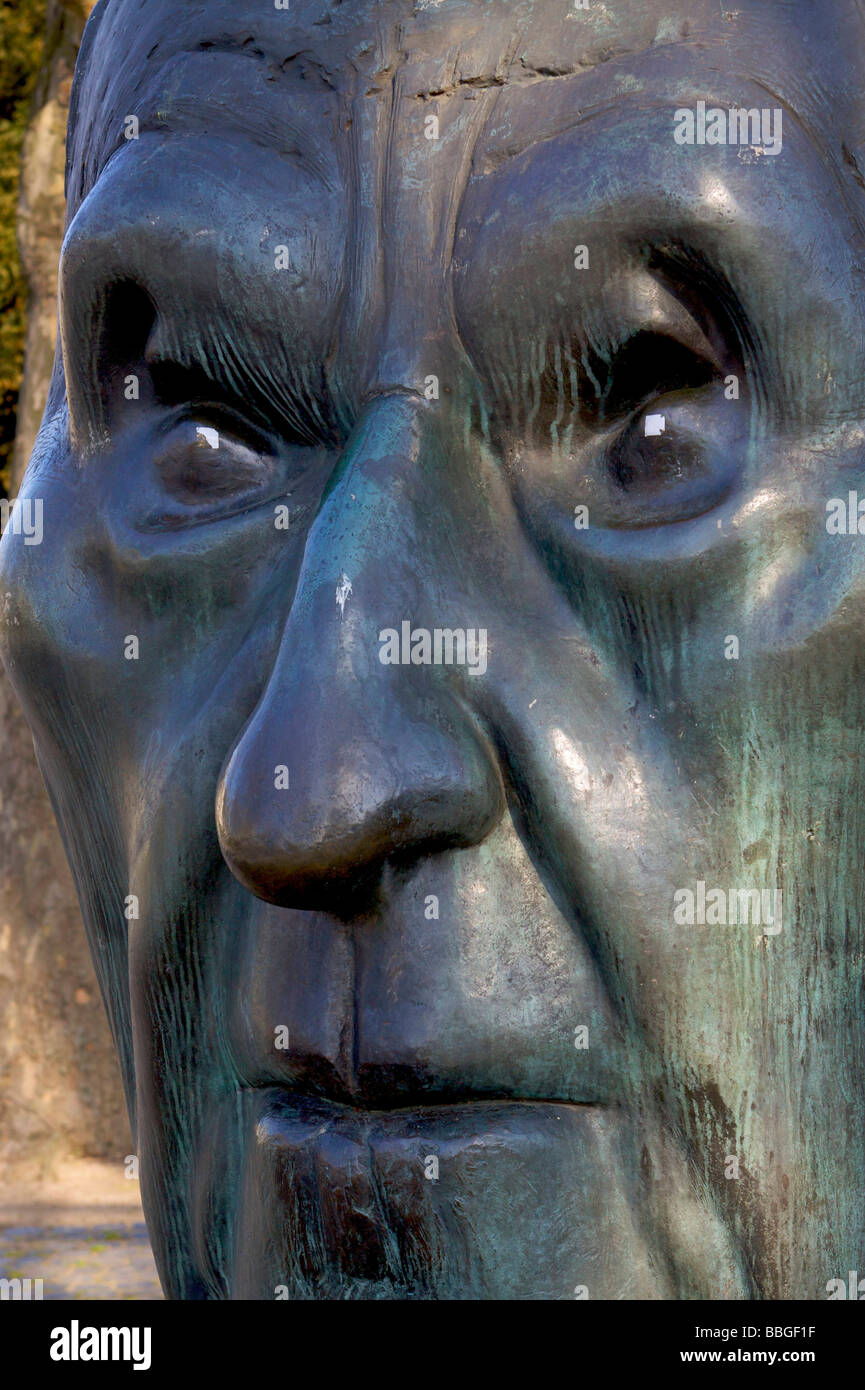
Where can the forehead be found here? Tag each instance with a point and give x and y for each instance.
(236, 62)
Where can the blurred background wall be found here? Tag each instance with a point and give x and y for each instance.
(60, 1092)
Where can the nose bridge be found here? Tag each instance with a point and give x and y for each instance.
(382, 546)
(349, 759)
(374, 502)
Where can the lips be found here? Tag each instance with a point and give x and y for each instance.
(485, 1199)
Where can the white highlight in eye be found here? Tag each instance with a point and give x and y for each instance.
(343, 589)
(655, 424)
(205, 434)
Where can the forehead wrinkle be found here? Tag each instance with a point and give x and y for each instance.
(580, 97)
(284, 134)
(176, 102)
(129, 44)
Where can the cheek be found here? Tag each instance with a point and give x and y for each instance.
(49, 624)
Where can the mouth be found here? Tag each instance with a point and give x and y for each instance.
(384, 1085)
(280, 1107)
(291, 1128)
(279, 1102)
(406, 1092)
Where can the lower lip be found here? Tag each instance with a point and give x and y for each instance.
(487, 1199)
(296, 1134)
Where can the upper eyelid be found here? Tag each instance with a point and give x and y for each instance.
(178, 384)
(224, 419)
(126, 327)
(669, 366)
(647, 305)
(683, 361)
(663, 296)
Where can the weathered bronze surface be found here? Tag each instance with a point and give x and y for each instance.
(444, 651)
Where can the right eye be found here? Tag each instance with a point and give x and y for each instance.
(645, 435)
(203, 460)
(208, 464)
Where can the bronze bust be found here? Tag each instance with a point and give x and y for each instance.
(442, 649)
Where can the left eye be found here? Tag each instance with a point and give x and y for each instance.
(676, 459)
(203, 460)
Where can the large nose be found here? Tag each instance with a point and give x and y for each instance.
(347, 761)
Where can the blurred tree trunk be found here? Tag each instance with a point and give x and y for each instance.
(41, 210)
(60, 1089)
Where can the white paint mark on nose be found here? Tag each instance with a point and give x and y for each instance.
(343, 589)
(655, 424)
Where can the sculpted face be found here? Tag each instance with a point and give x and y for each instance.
(448, 686)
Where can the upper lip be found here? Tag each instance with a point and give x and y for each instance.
(381, 1083)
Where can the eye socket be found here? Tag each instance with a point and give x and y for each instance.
(202, 462)
(678, 450)
(647, 437)
(579, 389)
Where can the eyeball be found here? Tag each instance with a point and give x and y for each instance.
(677, 458)
(203, 462)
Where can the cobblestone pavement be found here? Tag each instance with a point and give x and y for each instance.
(82, 1233)
(104, 1262)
